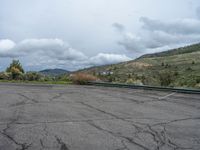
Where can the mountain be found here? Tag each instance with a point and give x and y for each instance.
(54, 72)
(177, 67)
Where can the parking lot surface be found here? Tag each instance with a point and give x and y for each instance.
(72, 117)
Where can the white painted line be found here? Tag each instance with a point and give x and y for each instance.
(166, 96)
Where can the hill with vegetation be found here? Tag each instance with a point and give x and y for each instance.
(177, 51)
(54, 72)
(176, 68)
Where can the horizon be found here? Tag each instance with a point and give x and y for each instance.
(73, 35)
(104, 64)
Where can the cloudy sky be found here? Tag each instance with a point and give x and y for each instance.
(73, 34)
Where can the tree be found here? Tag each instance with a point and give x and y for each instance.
(15, 72)
(15, 69)
(16, 64)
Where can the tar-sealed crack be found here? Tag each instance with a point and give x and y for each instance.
(41, 143)
(28, 98)
(4, 132)
(63, 146)
(23, 146)
(100, 110)
(176, 120)
(143, 136)
(160, 138)
(118, 135)
(56, 96)
(124, 146)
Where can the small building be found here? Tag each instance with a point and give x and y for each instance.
(105, 73)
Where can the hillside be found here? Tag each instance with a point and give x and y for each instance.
(54, 72)
(177, 51)
(178, 67)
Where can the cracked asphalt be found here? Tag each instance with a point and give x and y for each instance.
(53, 117)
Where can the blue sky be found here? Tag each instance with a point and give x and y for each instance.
(74, 34)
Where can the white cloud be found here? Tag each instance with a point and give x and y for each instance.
(52, 53)
(54, 48)
(179, 26)
(103, 58)
(5, 46)
(157, 35)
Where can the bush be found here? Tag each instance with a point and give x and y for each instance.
(5, 76)
(189, 81)
(82, 78)
(193, 62)
(64, 77)
(32, 76)
(136, 82)
(188, 69)
(166, 78)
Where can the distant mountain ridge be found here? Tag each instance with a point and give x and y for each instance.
(54, 72)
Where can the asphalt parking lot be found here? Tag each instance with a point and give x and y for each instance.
(46, 117)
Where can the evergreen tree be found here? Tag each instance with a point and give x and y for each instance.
(15, 69)
(16, 64)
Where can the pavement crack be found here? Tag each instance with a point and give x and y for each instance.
(56, 96)
(28, 98)
(129, 139)
(100, 110)
(138, 129)
(41, 143)
(160, 139)
(4, 132)
(24, 146)
(176, 120)
(17, 104)
(163, 138)
(124, 146)
(63, 146)
(45, 130)
(65, 121)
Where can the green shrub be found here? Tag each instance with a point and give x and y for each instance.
(32, 76)
(166, 78)
(5, 76)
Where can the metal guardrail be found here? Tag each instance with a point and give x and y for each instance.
(145, 87)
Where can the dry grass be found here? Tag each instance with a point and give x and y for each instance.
(138, 65)
(82, 78)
